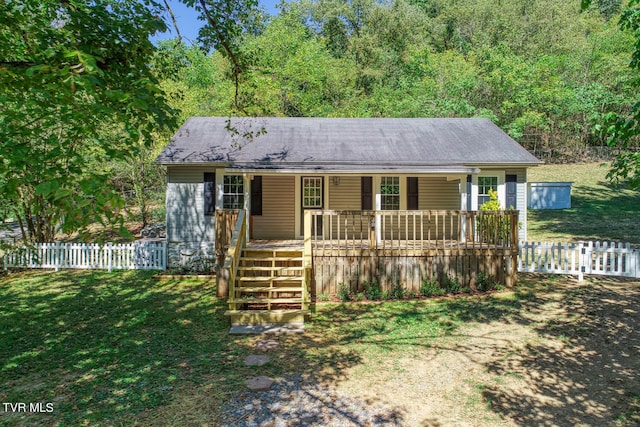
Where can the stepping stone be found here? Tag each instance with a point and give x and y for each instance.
(256, 360)
(266, 345)
(259, 383)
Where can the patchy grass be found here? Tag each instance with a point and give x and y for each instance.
(115, 346)
(598, 211)
(127, 349)
(108, 346)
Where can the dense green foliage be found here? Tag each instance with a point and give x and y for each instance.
(623, 127)
(546, 72)
(82, 88)
(76, 92)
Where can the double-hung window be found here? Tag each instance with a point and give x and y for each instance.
(390, 193)
(486, 183)
(233, 197)
(311, 193)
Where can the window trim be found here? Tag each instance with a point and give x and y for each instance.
(240, 195)
(500, 174)
(398, 194)
(486, 195)
(319, 196)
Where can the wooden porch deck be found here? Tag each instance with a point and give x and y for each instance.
(336, 247)
(281, 245)
(407, 247)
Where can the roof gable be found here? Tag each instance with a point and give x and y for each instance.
(303, 142)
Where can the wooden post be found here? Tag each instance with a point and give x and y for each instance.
(307, 260)
(222, 283)
(372, 231)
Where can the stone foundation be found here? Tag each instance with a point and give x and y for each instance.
(191, 257)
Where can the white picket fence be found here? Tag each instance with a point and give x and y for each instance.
(600, 258)
(140, 255)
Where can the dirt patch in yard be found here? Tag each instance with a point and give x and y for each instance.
(554, 352)
(570, 357)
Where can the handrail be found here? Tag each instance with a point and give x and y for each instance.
(412, 229)
(227, 276)
(225, 220)
(307, 261)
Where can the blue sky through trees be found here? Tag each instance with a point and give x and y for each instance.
(188, 23)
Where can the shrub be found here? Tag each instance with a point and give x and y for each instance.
(431, 288)
(494, 229)
(451, 284)
(372, 290)
(485, 282)
(360, 296)
(344, 292)
(397, 292)
(493, 204)
(323, 297)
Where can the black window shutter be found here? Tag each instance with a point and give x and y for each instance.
(256, 195)
(469, 190)
(366, 185)
(512, 192)
(209, 193)
(412, 193)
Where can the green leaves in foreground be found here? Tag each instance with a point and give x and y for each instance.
(623, 128)
(76, 92)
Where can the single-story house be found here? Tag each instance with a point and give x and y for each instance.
(276, 169)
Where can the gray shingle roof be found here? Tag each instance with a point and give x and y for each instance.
(340, 143)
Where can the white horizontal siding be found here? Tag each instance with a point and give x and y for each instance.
(187, 175)
(186, 221)
(521, 201)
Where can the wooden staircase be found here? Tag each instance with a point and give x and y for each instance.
(270, 286)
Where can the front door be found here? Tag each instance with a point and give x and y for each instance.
(312, 198)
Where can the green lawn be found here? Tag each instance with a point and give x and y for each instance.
(113, 346)
(598, 211)
(125, 348)
(106, 346)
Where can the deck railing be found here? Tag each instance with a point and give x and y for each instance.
(225, 223)
(227, 274)
(307, 261)
(413, 230)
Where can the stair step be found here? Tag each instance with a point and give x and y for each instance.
(262, 268)
(267, 289)
(294, 311)
(267, 300)
(264, 251)
(271, 258)
(269, 279)
(257, 317)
